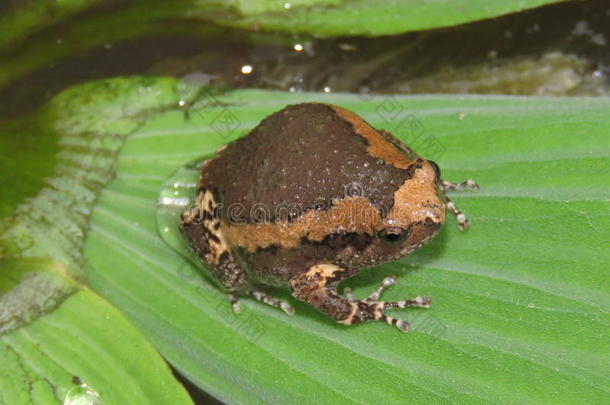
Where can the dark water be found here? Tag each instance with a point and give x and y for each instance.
(555, 50)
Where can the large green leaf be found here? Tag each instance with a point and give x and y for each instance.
(27, 17)
(60, 342)
(315, 17)
(25, 45)
(368, 17)
(521, 302)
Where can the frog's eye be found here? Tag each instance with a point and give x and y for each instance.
(437, 170)
(393, 234)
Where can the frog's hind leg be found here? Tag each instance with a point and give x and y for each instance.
(315, 287)
(201, 226)
(462, 221)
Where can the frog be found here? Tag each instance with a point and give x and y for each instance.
(308, 198)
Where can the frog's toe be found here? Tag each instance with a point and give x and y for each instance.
(235, 303)
(269, 300)
(374, 296)
(468, 184)
(371, 308)
(380, 306)
(421, 302)
(366, 310)
(388, 281)
(462, 221)
(399, 323)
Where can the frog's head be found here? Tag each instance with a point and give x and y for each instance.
(417, 213)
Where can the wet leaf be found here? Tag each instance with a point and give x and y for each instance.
(330, 18)
(76, 26)
(520, 300)
(60, 342)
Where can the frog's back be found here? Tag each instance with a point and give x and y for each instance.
(305, 155)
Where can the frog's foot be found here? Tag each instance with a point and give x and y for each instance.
(269, 300)
(372, 308)
(462, 221)
(263, 297)
(312, 286)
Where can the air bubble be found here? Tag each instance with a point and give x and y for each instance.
(82, 395)
(176, 195)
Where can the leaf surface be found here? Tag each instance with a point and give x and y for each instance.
(521, 303)
(59, 341)
(40, 32)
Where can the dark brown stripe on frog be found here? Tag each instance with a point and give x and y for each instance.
(275, 264)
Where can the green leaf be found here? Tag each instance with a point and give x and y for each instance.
(59, 342)
(520, 300)
(71, 30)
(314, 17)
(330, 18)
(28, 17)
(90, 30)
(32, 156)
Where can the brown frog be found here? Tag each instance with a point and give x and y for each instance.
(310, 197)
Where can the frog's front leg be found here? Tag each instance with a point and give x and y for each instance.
(315, 286)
